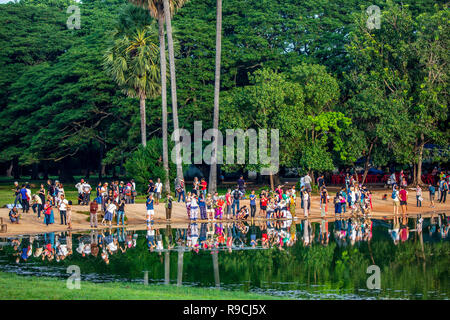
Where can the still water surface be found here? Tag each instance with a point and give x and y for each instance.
(299, 259)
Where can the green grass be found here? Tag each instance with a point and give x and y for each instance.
(15, 287)
(6, 194)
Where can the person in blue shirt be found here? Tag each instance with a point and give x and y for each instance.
(24, 199)
(344, 204)
(252, 204)
(202, 206)
(150, 208)
(432, 191)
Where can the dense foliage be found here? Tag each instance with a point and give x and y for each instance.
(337, 90)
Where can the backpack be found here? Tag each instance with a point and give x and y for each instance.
(236, 195)
(394, 195)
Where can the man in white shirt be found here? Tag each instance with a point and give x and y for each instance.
(63, 205)
(79, 187)
(158, 189)
(86, 188)
(307, 181)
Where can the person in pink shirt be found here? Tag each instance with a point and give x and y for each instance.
(403, 200)
(228, 203)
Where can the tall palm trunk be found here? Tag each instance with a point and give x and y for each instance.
(418, 176)
(213, 169)
(162, 52)
(173, 87)
(143, 121)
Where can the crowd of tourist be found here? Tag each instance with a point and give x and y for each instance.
(111, 198)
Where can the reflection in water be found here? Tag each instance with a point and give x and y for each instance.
(300, 259)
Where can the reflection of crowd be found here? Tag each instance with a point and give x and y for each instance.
(59, 246)
(352, 230)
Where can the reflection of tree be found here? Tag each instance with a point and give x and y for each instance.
(330, 266)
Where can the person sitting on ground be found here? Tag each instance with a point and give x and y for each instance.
(14, 215)
(243, 213)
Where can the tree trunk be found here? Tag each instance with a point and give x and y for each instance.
(45, 164)
(65, 173)
(167, 267)
(419, 160)
(366, 165)
(34, 171)
(180, 267)
(16, 168)
(271, 182)
(162, 53)
(143, 121)
(101, 169)
(313, 180)
(173, 87)
(215, 258)
(9, 170)
(213, 168)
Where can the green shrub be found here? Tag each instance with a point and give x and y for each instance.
(146, 163)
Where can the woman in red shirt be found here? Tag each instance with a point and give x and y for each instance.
(403, 200)
(204, 184)
(263, 205)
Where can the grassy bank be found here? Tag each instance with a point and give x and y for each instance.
(15, 287)
(7, 194)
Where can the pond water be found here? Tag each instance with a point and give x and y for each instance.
(298, 259)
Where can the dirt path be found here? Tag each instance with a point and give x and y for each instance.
(135, 213)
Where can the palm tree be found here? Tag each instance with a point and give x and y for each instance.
(156, 10)
(133, 64)
(213, 169)
(173, 85)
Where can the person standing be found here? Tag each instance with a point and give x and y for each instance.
(79, 187)
(93, 208)
(395, 200)
(321, 181)
(48, 212)
(252, 204)
(305, 197)
(228, 203)
(169, 201)
(63, 205)
(241, 184)
(263, 204)
(151, 187)
(432, 191)
(150, 208)
(158, 189)
(69, 215)
(86, 193)
(202, 207)
(236, 194)
(42, 195)
(24, 199)
(204, 186)
(133, 190)
(17, 197)
(443, 188)
(37, 205)
(403, 200)
(307, 181)
(418, 196)
(195, 186)
(121, 210)
(110, 210)
(179, 187)
(324, 201)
